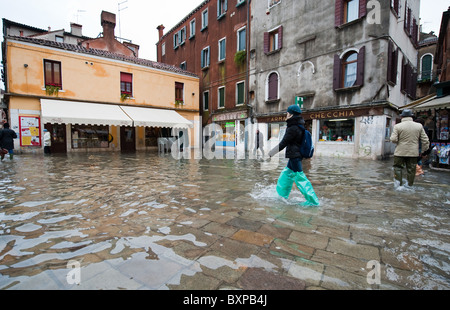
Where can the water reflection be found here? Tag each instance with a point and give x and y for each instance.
(143, 221)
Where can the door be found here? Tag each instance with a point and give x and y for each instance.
(128, 139)
(59, 141)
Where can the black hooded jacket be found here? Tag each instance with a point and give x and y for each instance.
(292, 138)
(6, 138)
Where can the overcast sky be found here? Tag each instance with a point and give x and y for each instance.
(139, 18)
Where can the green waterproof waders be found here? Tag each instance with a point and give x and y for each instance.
(288, 177)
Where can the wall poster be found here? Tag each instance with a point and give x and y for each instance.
(30, 130)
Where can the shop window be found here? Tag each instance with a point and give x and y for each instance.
(273, 40)
(347, 11)
(339, 130)
(179, 93)
(221, 95)
(349, 71)
(126, 84)
(90, 136)
(272, 86)
(52, 73)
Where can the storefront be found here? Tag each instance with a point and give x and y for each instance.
(232, 129)
(90, 127)
(435, 111)
(360, 131)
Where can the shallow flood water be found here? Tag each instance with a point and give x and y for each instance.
(146, 221)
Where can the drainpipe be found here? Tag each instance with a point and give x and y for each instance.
(247, 78)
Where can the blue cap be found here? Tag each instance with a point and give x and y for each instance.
(294, 109)
(45, 130)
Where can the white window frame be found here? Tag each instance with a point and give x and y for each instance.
(207, 63)
(163, 49)
(421, 65)
(237, 93)
(185, 65)
(176, 40)
(205, 21)
(225, 49)
(192, 28)
(237, 35)
(182, 35)
(218, 97)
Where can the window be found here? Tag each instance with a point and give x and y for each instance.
(349, 71)
(222, 49)
(392, 63)
(242, 39)
(183, 65)
(426, 67)
(176, 40)
(204, 19)
(240, 2)
(221, 97)
(52, 73)
(221, 8)
(206, 101)
(273, 2)
(351, 10)
(179, 93)
(273, 40)
(272, 86)
(163, 49)
(90, 136)
(395, 5)
(350, 65)
(126, 84)
(205, 57)
(339, 130)
(240, 93)
(59, 39)
(409, 79)
(347, 11)
(192, 29)
(182, 35)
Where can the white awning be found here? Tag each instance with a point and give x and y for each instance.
(434, 103)
(149, 117)
(72, 112)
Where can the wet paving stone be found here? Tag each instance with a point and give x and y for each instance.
(150, 222)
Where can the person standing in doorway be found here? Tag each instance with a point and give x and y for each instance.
(293, 173)
(47, 141)
(259, 143)
(7, 137)
(409, 137)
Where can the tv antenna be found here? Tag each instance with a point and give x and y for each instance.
(121, 9)
(78, 14)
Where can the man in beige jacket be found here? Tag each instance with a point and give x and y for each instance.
(407, 135)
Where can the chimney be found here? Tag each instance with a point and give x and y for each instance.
(160, 31)
(75, 29)
(108, 21)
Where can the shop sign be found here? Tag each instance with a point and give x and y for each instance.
(230, 116)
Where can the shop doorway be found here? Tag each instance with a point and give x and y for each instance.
(128, 139)
(59, 141)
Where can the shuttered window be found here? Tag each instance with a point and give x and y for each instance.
(222, 49)
(179, 92)
(221, 8)
(426, 67)
(273, 40)
(349, 10)
(409, 79)
(126, 83)
(52, 73)
(392, 64)
(349, 71)
(205, 57)
(272, 86)
(221, 95)
(395, 5)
